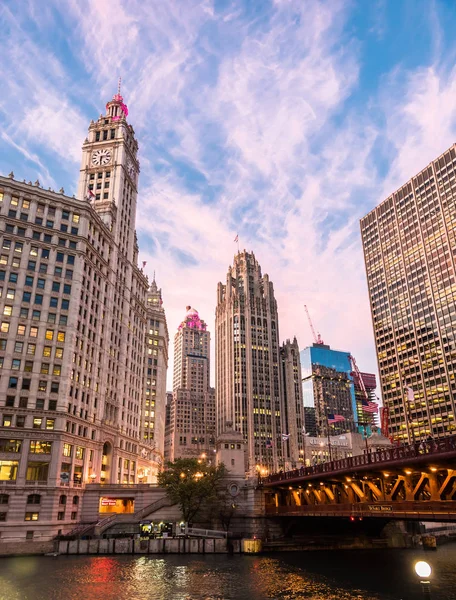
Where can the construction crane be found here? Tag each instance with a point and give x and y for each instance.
(317, 337)
(356, 372)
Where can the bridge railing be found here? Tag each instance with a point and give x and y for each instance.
(384, 457)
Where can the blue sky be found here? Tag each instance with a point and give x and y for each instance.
(285, 121)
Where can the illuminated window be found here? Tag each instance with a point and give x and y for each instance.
(49, 334)
(61, 336)
(31, 516)
(67, 450)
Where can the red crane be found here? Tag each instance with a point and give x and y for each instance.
(317, 337)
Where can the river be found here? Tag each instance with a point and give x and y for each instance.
(321, 575)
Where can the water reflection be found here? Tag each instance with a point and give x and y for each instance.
(350, 575)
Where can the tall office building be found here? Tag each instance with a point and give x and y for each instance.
(292, 401)
(73, 337)
(191, 415)
(409, 242)
(328, 387)
(157, 340)
(248, 385)
(365, 392)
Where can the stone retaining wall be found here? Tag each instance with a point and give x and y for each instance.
(157, 546)
(25, 548)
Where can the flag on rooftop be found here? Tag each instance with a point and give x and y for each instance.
(335, 419)
(90, 195)
(410, 394)
(285, 436)
(236, 239)
(369, 407)
(268, 444)
(144, 263)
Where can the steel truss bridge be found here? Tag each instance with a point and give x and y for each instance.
(416, 482)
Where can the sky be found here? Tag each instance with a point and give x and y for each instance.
(281, 121)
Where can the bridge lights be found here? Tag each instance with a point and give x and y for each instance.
(408, 472)
(433, 469)
(423, 570)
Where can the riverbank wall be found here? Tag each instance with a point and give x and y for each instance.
(155, 546)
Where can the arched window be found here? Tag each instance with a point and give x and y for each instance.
(33, 499)
(63, 499)
(76, 500)
(4, 498)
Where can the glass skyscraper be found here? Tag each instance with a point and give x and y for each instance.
(409, 248)
(328, 387)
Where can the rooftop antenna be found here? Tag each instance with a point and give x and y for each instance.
(118, 86)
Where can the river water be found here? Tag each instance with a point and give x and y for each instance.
(331, 575)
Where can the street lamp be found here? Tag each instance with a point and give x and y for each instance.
(423, 570)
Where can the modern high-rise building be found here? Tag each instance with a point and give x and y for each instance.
(409, 242)
(365, 393)
(249, 383)
(190, 429)
(328, 387)
(73, 337)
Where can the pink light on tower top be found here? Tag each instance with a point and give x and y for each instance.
(118, 98)
(192, 320)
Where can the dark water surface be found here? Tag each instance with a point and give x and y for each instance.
(332, 575)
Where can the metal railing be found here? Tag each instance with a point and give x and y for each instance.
(381, 458)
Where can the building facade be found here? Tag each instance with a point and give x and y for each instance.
(251, 367)
(365, 392)
(157, 341)
(328, 387)
(190, 429)
(292, 401)
(408, 243)
(73, 346)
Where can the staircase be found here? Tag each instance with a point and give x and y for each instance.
(99, 527)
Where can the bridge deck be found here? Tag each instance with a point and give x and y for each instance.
(419, 511)
(429, 452)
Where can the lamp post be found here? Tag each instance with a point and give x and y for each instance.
(423, 570)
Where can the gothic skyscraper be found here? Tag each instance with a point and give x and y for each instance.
(249, 383)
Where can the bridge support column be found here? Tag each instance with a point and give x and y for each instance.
(378, 493)
(433, 486)
(449, 481)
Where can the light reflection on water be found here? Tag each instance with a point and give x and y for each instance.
(349, 575)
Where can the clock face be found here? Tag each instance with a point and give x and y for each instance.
(101, 157)
(131, 169)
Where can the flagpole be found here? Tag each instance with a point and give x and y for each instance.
(329, 442)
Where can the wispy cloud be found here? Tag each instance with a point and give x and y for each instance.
(283, 121)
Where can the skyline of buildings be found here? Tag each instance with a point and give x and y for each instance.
(84, 341)
(409, 242)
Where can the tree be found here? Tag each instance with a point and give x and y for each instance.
(191, 484)
(225, 507)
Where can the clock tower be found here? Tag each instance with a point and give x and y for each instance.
(109, 173)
